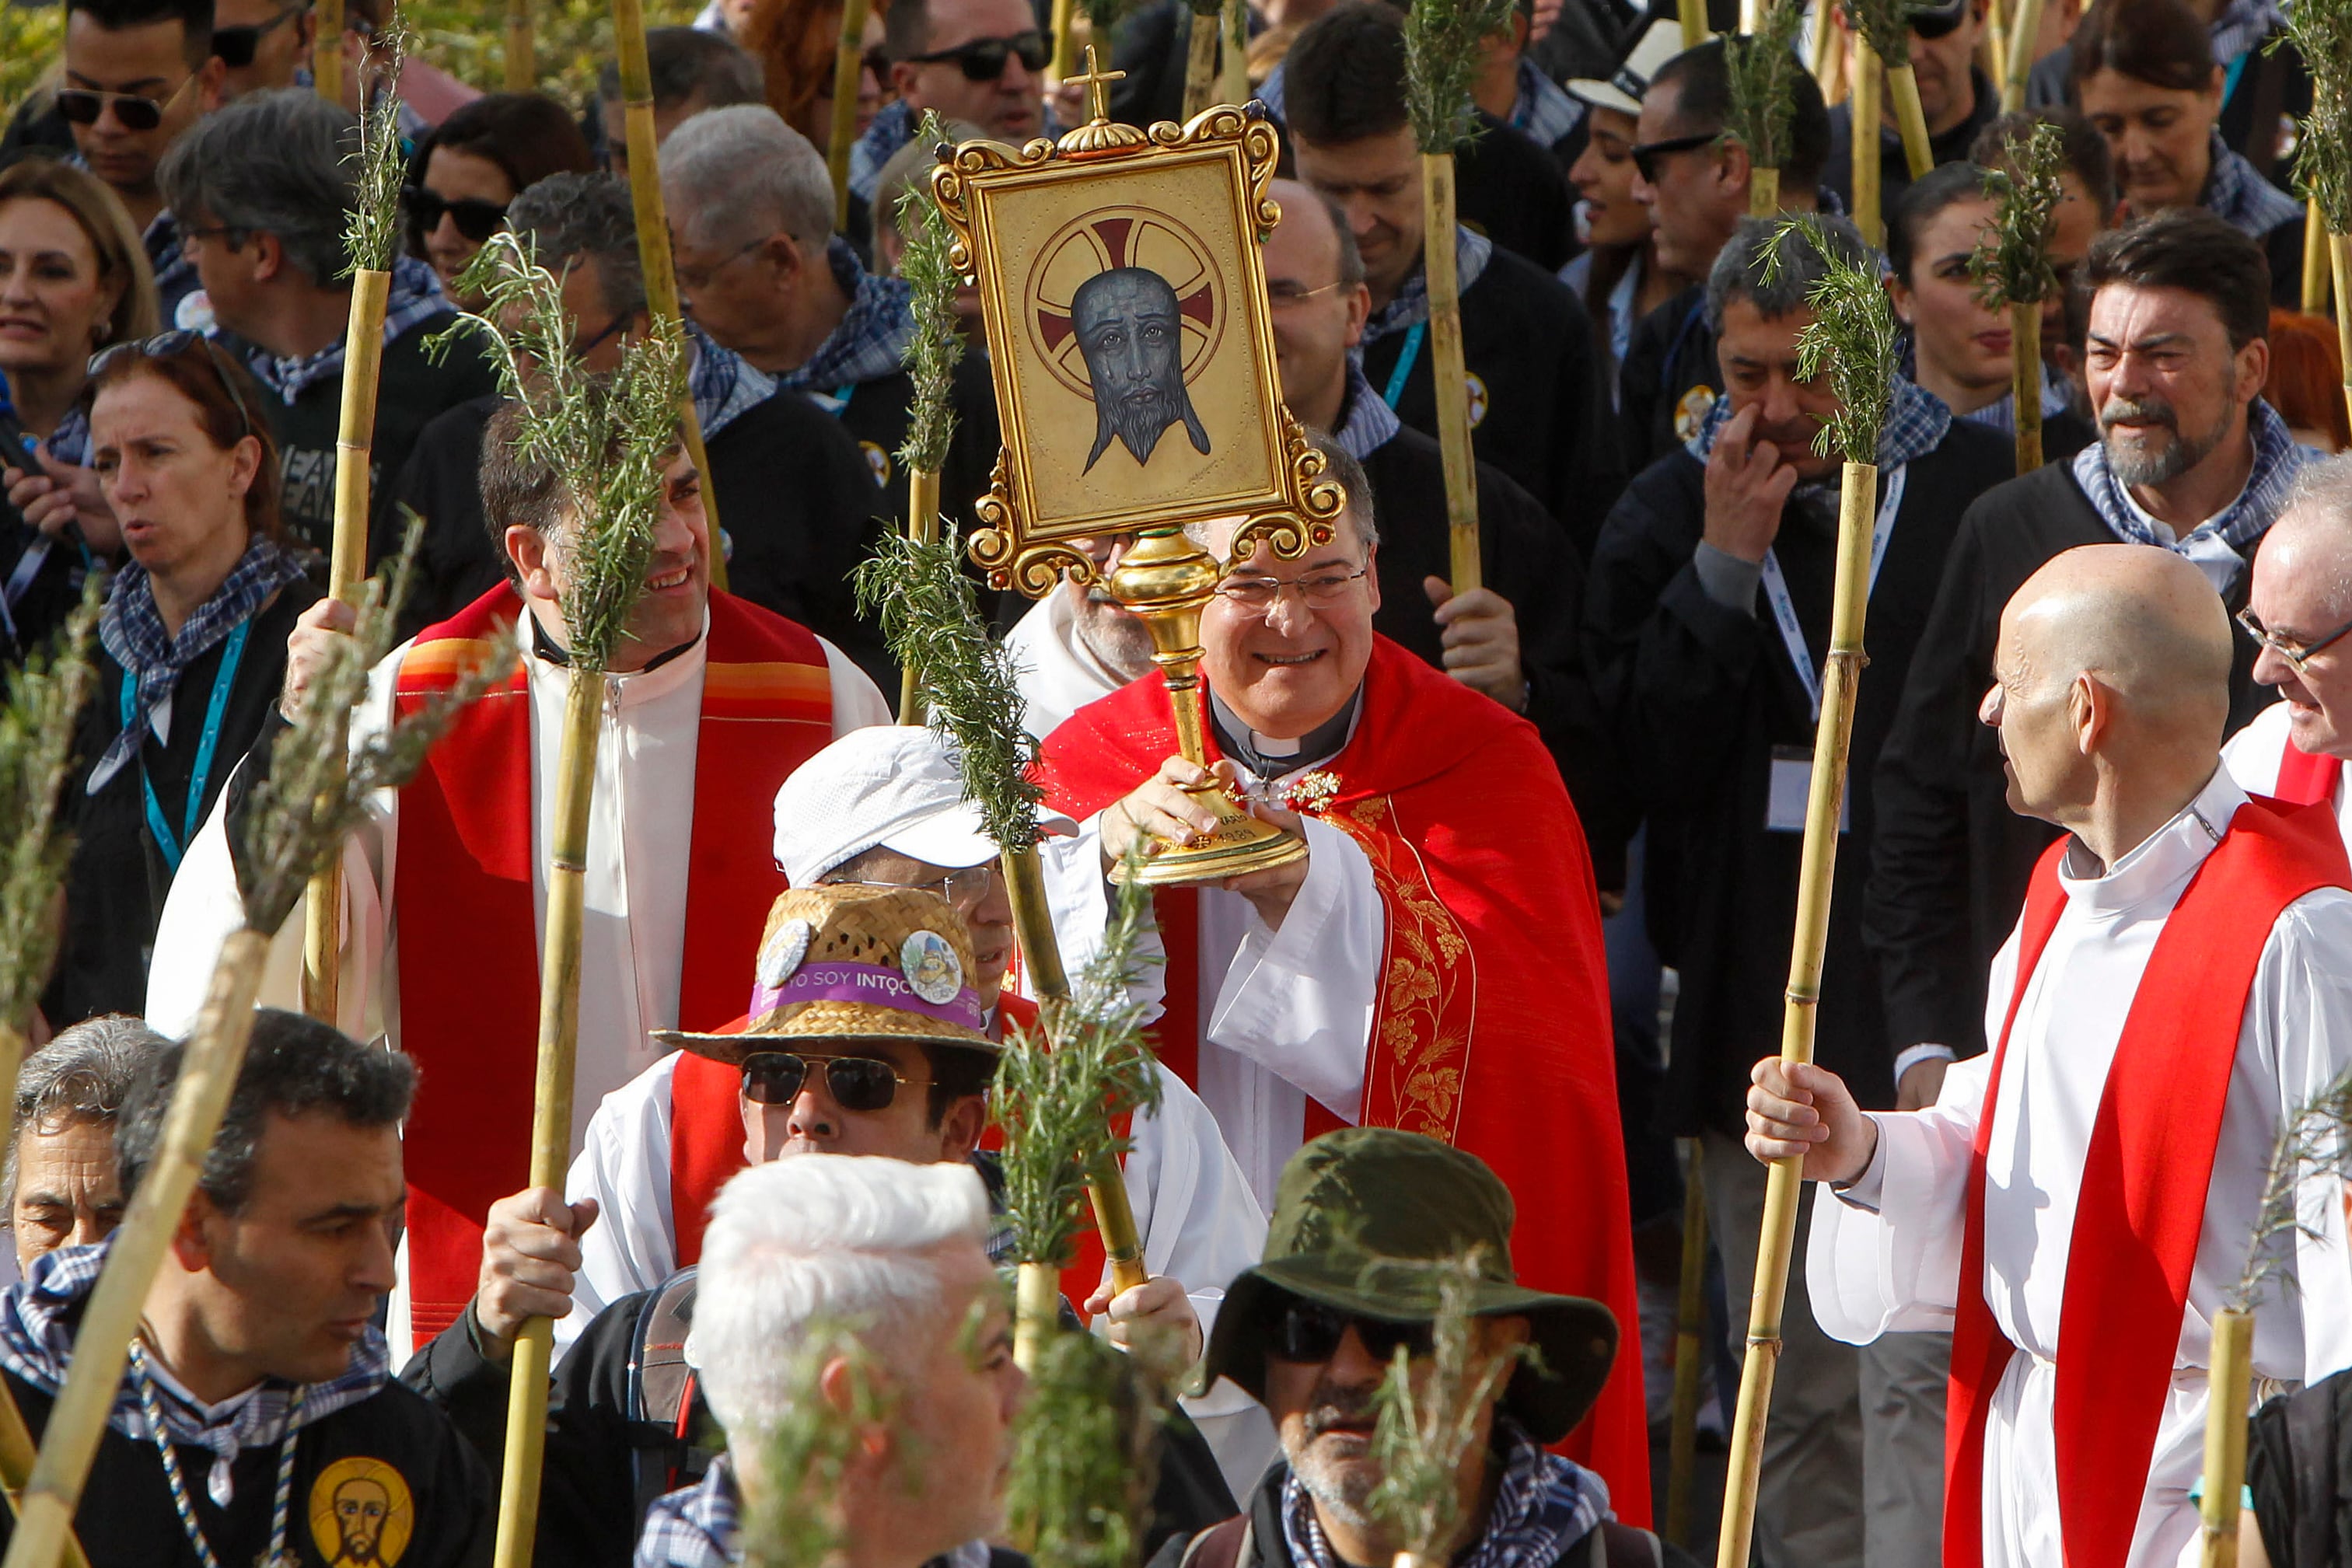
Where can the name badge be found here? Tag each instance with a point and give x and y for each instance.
(1791, 783)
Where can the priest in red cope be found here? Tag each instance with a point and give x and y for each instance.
(1433, 964)
(2299, 612)
(2078, 1202)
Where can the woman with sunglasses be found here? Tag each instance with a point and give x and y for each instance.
(476, 161)
(73, 280)
(193, 646)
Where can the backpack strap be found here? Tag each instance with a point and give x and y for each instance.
(1616, 1545)
(1220, 1545)
(661, 1388)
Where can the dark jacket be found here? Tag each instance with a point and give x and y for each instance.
(1951, 860)
(127, 1519)
(1514, 191)
(118, 876)
(1704, 697)
(1893, 165)
(1527, 342)
(1669, 379)
(2299, 1467)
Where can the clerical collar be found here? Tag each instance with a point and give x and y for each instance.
(548, 651)
(1266, 758)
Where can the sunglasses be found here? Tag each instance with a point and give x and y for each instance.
(174, 345)
(476, 219)
(1309, 1333)
(983, 60)
(235, 47)
(856, 1082)
(1646, 154)
(83, 105)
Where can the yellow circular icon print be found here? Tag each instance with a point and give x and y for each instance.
(360, 1514)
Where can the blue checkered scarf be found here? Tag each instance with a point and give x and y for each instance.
(2228, 538)
(176, 274)
(415, 296)
(2236, 193)
(1368, 424)
(725, 384)
(1917, 421)
(892, 127)
(1544, 110)
(2241, 25)
(1543, 1505)
(1472, 251)
(69, 441)
(37, 1321)
(2002, 413)
(871, 341)
(130, 630)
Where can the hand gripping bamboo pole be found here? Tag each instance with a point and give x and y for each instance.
(1865, 148)
(1903, 93)
(551, 1119)
(102, 1344)
(2314, 259)
(2024, 32)
(848, 64)
(2228, 1382)
(1784, 1187)
(2025, 380)
(2339, 254)
(1201, 57)
(1690, 1354)
(654, 257)
(346, 567)
(1450, 375)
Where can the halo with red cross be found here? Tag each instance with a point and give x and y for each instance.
(1111, 237)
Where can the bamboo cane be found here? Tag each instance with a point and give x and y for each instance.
(1903, 92)
(1784, 1185)
(2314, 259)
(2026, 30)
(326, 51)
(1036, 1311)
(1690, 1359)
(1693, 15)
(654, 256)
(2339, 255)
(1824, 60)
(848, 63)
(354, 443)
(1993, 55)
(1865, 145)
(1751, 13)
(1201, 61)
(1233, 50)
(1066, 40)
(2025, 380)
(1451, 374)
(2228, 1380)
(102, 1344)
(1763, 192)
(923, 527)
(521, 48)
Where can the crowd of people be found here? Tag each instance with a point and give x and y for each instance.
(2089, 946)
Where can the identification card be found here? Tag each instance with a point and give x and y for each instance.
(1791, 783)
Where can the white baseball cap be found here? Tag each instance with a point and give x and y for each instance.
(890, 785)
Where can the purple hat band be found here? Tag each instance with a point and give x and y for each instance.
(872, 985)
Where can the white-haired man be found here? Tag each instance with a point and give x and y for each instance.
(2299, 612)
(798, 1249)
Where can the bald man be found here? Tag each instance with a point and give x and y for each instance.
(2078, 1205)
(2299, 616)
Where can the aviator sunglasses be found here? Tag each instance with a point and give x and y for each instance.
(983, 60)
(476, 219)
(83, 105)
(1309, 1333)
(857, 1082)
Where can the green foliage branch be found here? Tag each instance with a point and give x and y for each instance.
(2011, 264)
(1444, 43)
(45, 697)
(1853, 338)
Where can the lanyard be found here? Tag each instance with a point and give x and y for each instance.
(1784, 612)
(1405, 357)
(280, 1507)
(223, 679)
(840, 396)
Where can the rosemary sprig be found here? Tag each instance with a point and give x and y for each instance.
(2011, 264)
(611, 436)
(1886, 24)
(2318, 1137)
(1763, 67)
(1084, 1461)
(1444, 40)
(792, 1516)
(2321, 31)
(1853, 337)
(931, 619)
(44, 698)
(1056, 1102)
(371, 229)
(316, 791)
(1425, 1434)
(936, 345)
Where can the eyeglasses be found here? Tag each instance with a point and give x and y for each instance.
(695, 279)
(587, 346)
(1309, 1333)
(1261, 593)
(1646, 154)
(229, 232)
(1285, 293)
(476, 219)
(135, 112)
(856, 1082)
(174, 345)
(1937, 24)
(235, 47)
(983, 60)
(2295, 654)
(963, 889)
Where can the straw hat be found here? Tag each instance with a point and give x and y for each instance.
(848, 962)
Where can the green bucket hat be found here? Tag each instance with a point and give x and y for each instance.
(1359, 1216)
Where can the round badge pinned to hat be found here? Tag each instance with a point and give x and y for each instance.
(782, 951)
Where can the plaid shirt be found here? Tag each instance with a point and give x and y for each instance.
(1544, 110)
(176, 274)
(871, 341)
(1543, 1505)
(1472, 251)
(1367, 424)
(416, 296)
(2218, 548)
(701, 1525)
(2241, 26)
(1917, 421)
(36, 1336)
(725, 384)
(130, 630)
(2236, 193)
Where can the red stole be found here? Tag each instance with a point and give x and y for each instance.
(2304, 779)
(1491, 1024)
(706, 1128)
(2143, 1182)
(470, 956)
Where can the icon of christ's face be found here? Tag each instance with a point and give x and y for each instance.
(360, 1505)
(1130, 331)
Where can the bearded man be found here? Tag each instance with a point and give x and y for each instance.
(1130, 331)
